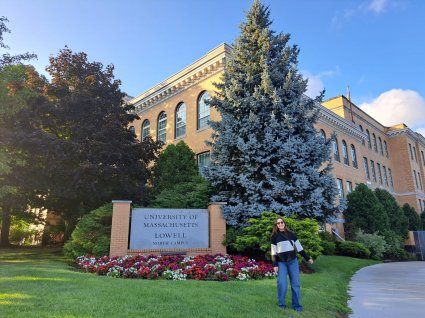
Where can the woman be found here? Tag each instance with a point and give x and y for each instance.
(285, 262)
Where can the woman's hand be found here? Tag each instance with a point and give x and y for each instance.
(310, 261)
(276, 269)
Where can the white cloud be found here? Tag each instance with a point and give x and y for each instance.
(315, 81)
(315, 84)
(378, 6)
(397, 106)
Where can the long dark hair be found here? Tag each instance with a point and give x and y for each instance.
(275, 230)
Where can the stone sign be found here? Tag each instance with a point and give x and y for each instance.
(169, 228)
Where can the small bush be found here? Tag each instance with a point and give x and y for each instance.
(328, 247)
(353, 249)
(257, 236)
(92, 234)
(326, 236)
(395, 247)
(374, 242)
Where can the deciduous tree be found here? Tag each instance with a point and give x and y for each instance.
(82, 152)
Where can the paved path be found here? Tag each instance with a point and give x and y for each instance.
(388, 290)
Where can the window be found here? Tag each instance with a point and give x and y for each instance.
(349, 187)
(203, 110)
(345, 153)
(132, 129)
(336, 151)
(381, 150)
(411, 152)
(323, 134)
(391, 178)
(386, 149)
(162, 127)
(379, 173)
(385, 175)
(340, 188)
(420, 204)
(366, 168)
(361, 129)
(180, 120)
(416, 179)
(420, 181)
(423, 157)
(353, 156)
(414, 153)
(203, 160)
(146, 127)
(369, 144)
(375, 147)
(372, 166)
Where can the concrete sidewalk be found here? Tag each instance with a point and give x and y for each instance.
(388, 290)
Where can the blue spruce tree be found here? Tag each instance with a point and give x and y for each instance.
(266, 153)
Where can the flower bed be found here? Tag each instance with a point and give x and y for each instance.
(178, 267)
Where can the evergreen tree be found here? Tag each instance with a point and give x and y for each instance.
(364, 212)
(194, 194)
(396, 218)
(175, 165)
(266, 153)
(414, 221)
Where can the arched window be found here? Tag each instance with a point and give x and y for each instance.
(375, 147)
(369, 143)
(180, 123)
(386, 149)
(323, 134)
(203, 110)
(381, 150)
(162, 127)
(361, 129)
(132, 129)
(354, 156)
(335, 148)
(146, 126)
(345, 153)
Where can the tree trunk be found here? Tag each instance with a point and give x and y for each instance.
(70, 225)
(5, 229)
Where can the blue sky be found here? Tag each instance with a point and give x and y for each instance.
(376, 47)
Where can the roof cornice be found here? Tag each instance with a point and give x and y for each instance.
(407, 131)
(209, 65)
(328, 117)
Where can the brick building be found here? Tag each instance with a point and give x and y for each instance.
(364, 151)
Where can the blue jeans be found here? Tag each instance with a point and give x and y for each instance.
(292, 269)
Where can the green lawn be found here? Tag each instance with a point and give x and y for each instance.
(39, 283)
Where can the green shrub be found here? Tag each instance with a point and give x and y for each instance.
(395, 247)
(92, 234)
(328, 247)
(257, 235)
(374, 242)
(353, 249)
(326, 236)
(22, 232)
(194, 194)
